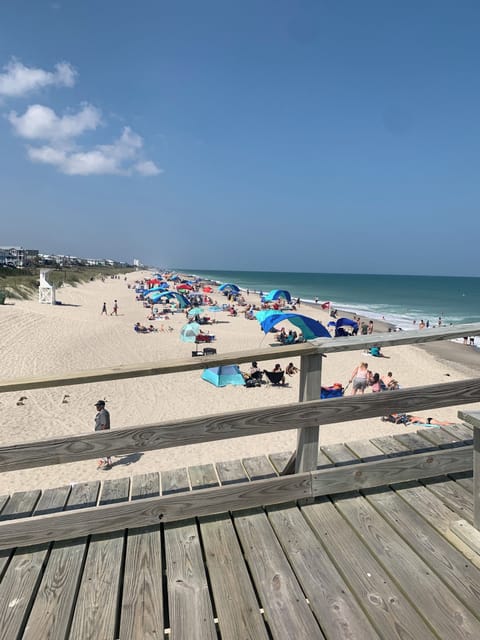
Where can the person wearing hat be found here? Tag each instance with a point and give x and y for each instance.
(102, 422)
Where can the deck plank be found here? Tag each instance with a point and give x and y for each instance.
(235, 601)
(453, 495)
(365, 450)
(53, 608)
(259, 467)
(23, 575)
(175, 481)
(390, 446)
(339, 454)
(231, 472)
(95, 614)
(384, 603)
(461, 431)
(449, 618)
(330, 598)
(440, 437)
(414, 442)
(141, 615)
(189, 604)
(203, 476)
(448, 563)
(285, 608)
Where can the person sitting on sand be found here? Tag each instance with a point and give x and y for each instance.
(139, 328)
(377, 384)
(291, 369)
(390, 382)
(255, 371)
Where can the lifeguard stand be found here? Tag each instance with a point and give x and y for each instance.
(46, 290)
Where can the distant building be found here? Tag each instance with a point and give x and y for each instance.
(18, 256)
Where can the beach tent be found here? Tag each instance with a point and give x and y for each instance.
(160, 287)
(276, 294)
(345, 322)
(227, 286)
(158, 295)
(309, 327)
(264, 313)
(221, 376)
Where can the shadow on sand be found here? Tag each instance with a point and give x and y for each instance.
(130, 458)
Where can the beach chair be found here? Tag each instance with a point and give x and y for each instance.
(274, 377)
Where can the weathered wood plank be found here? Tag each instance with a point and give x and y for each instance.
(235, 602)
(190, 607)
(22, 577)
(385, 604)
(279, 460)
(466, 532)
(339, 454)
(53, 607)
(203, 476)
(309, 389)
(234, 424)
(175, 481)
(141, 616)
(258, 468)
(459, 574)
(439, 437)
(20, 505)
(438, 515)
(219, 499)
(448, 617)
(364, 450)
(283, 601)
(231, 472)
(461, 431)
(390, 446)
(328, 594)
(96, 613)
(3, 501)
(415, 442)
(455, 496)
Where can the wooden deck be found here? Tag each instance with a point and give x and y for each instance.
(390, 562)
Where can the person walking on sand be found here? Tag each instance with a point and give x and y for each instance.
(360, 378)
(102, 423)
(115, 308)
(104, 309)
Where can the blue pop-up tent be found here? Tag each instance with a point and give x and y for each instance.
(276, 294)
(158, 295)
(345, 322)
(221, 376)
(309, 327)
(227, 286)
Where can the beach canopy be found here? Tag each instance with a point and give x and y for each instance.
(163, 286)
(189, 332)
(195, 311)
(158, 295)
(309, 327)
(221, 376)
(228, 286)
(276, 294)
(344, 322)
(264, 313)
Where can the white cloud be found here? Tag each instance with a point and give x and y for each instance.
(19, 80)
(147, 168)
(120, 158)
(39, 122)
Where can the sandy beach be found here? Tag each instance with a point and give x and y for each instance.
(73, 336)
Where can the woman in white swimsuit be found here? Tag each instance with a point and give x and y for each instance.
(360, 378)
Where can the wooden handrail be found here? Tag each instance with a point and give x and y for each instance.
(236, 424)
(323, 345)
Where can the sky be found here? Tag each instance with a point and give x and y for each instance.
(303, 135)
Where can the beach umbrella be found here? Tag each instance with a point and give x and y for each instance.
(214, 308)
(207, 289)
(195, 311)
(309, 327)
(221, 376)
(184, 286)
(189, 332)
(264, 313)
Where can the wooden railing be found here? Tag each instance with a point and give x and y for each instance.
(305, 415)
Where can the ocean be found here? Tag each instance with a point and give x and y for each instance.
(400, 300)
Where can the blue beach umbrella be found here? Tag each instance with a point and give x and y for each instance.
(309, 327)
(276, 294)
(195, 311)
(189, 332)
(221, 376)
(264, 313)
(214, 308)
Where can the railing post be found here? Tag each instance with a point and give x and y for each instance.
(476, 477)
(307, 439)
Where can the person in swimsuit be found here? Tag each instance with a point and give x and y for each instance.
(360, 378)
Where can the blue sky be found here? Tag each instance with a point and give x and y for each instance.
(267, 135)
